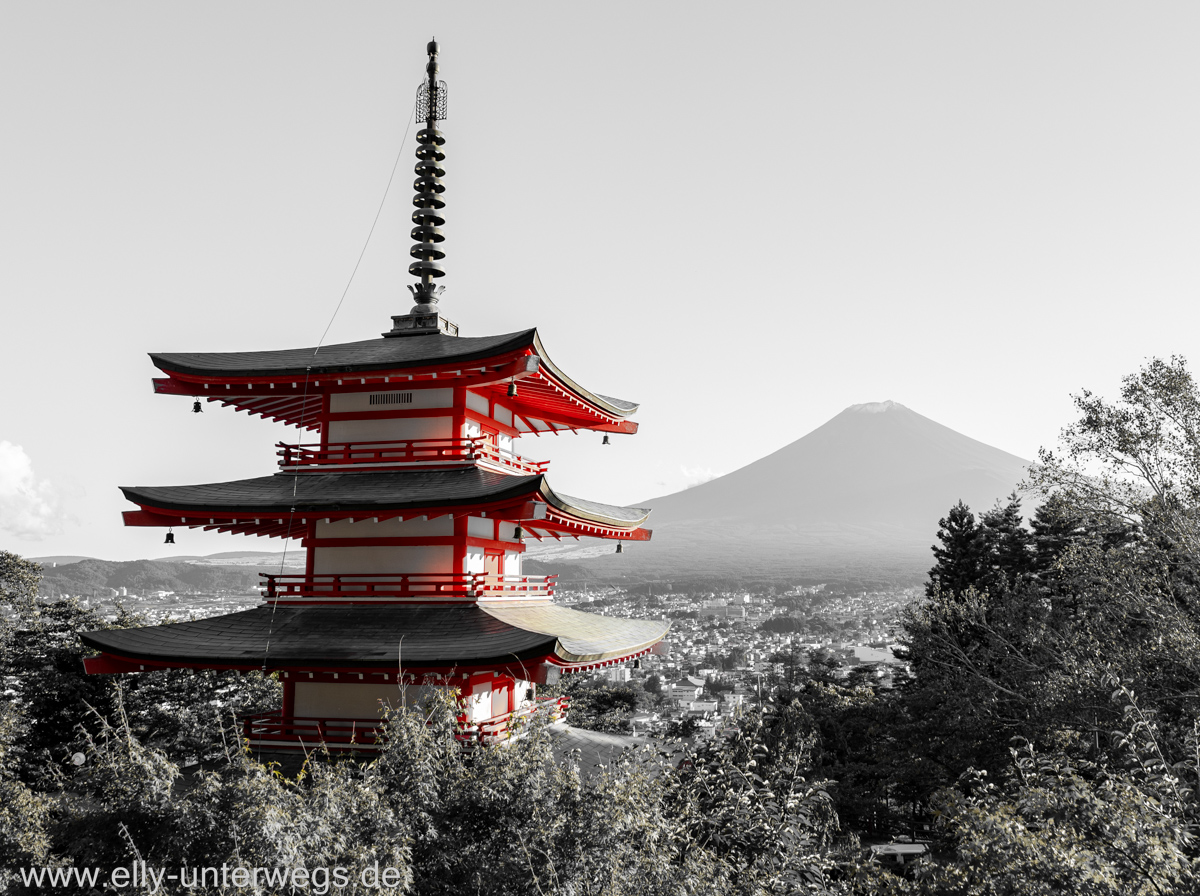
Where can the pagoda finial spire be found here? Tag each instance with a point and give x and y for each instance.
(425, 318)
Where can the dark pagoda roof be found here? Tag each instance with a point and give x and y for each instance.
(348, 357)
(360, 637)
(475, 361)
(373, 492)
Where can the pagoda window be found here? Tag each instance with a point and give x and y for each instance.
(493, 562)
(501, 698)
(474, 561)
(512, 563)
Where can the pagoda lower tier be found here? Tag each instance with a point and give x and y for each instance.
(340, 666)
(413, 581)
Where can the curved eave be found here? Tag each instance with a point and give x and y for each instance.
(288, 386)
(625, 521)
(367, 638)
(372, 355)
(615, 407)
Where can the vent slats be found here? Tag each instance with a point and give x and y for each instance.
(392, 398)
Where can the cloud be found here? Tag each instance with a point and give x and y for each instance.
(693, 476)
(29, 508)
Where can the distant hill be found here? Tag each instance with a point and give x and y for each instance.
(292, 559)
(144, 576)
(63, 560)
(860, 495)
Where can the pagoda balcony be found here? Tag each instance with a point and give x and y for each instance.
(375, 588)
(275, 731)
(404, 453)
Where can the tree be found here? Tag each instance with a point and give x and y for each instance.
(181, 711)
(24, 813)
(961, 556)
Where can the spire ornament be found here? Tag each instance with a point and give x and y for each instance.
(424, 318)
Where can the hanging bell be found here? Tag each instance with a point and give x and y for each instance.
(606, 441)
(196, 409)
(518, 533)
(170, 539)
(512, 390)
(620, 548)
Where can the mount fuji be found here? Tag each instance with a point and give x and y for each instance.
(860, 495)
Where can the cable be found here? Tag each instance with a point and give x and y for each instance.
(378, 212)
(308, 370)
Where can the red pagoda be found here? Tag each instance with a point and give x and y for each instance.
(414, 510)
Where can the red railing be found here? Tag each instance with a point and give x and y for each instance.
(379, 587)
(274, 730)
(499, 727)
(405, 453)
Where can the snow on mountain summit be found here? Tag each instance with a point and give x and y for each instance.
(875, 407)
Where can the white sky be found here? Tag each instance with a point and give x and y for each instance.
(746, 216)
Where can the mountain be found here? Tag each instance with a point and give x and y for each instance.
(861, 494)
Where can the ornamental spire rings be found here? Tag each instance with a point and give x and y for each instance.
(428, 202)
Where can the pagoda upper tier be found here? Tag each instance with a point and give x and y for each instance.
(293, 386)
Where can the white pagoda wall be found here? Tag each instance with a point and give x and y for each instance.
(383, 429)
(399, 429)
(360, 700)
(398, 559)
(382, 559)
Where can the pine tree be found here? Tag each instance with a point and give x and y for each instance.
(961, 556)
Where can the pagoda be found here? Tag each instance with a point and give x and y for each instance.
(414, 509)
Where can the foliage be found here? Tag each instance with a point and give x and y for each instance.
(600, 706)
(127, 803)
(742, 818)
(753, 801)
(41, 659)
(1057, 827)
(24, 813)
(782, 624)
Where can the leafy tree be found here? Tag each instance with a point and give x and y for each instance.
(754, 801)
(24, 813)
(41, 659)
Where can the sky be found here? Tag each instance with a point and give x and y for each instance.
(745, 216)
